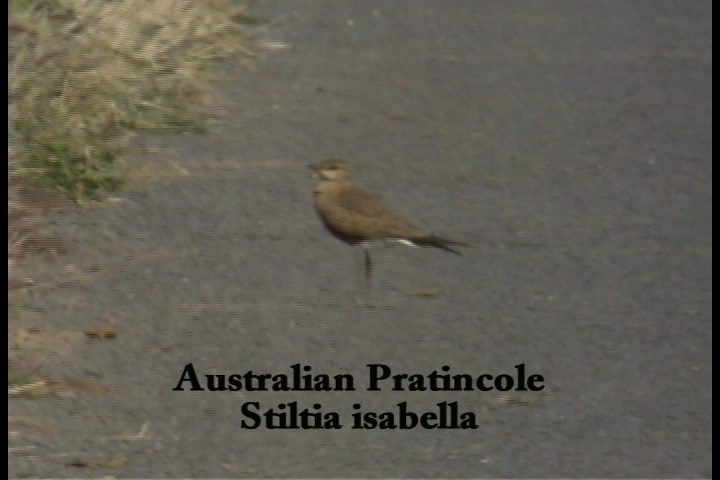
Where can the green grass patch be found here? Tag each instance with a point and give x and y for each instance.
(84, 75)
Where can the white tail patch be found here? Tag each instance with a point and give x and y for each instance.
(385, 242)
(403, 241)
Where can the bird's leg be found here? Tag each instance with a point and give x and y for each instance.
(363, 272)
(367, 260)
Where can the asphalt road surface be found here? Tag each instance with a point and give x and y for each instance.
(569, 142)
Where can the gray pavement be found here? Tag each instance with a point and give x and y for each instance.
(569, 142)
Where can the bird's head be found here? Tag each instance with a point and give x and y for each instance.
(332, 169)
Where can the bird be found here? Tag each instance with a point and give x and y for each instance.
(358, 218)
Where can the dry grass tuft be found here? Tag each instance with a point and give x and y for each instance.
(85, 74)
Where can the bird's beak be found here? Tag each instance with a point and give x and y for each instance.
(314, 170)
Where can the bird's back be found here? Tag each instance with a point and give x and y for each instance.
(352, 211)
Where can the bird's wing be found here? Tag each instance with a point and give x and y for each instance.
(363, 210)
(358, 201)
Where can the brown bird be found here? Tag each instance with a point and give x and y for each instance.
(357, 217)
